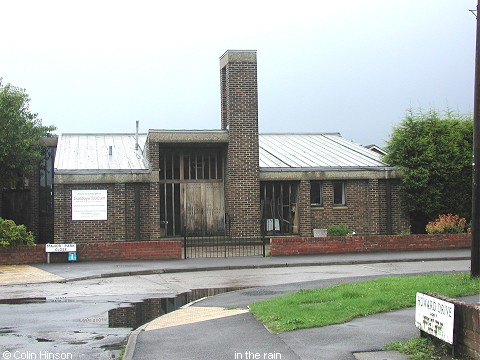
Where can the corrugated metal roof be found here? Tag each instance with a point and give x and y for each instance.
(89, 153)
(314, 152)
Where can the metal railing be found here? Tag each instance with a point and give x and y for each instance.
(216, 244)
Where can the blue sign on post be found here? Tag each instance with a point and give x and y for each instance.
(72, 256)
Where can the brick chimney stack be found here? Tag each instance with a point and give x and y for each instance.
(239, 102)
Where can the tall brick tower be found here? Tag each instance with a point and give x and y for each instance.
(239, 101)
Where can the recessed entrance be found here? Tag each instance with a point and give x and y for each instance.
(191, 190)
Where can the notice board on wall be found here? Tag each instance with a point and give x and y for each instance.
(89, 205)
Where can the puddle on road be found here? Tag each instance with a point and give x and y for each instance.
(32, 300)
(139, 313)
(134, 314)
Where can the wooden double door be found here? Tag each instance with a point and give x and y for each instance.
(197, 207)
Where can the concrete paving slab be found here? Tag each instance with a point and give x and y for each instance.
(380, 355)
(235, 337)
(191, 315)
(16, 274)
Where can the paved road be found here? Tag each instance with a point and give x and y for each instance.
(168, 284)
(72, 316)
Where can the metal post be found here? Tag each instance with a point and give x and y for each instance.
(263, 244)
(185, 242)
(475, 250)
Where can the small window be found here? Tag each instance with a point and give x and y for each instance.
(316, 193)
(339, 196)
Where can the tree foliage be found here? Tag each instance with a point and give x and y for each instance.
(434, 153)
(12, 234)
(21, 132)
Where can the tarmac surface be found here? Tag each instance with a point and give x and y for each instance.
(220, 327)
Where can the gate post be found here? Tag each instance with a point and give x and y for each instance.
(263, 245)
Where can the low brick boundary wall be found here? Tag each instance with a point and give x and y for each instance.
(363, 244)
(107, 251)
(466, 327)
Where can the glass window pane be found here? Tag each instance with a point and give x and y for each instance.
(339, 193)
(316, 193)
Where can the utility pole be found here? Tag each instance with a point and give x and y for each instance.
(475, 254)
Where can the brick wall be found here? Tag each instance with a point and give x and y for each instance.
(144, 250)
(466, 327)
(400, 220)
(172, 249)
(365, 211)
(153, 155)
(363, 244)
(121, 223)
(16, 255)
(239, 98)
(304, 209)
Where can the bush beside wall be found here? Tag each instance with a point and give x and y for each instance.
(362, 244)
(108, 251)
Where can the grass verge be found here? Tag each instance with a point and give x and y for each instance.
(419, 349)
(342, 303)
(121, 354)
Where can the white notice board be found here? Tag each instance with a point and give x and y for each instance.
(435, 317)
(89, 205)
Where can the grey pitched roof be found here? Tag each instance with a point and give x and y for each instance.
(90, 153)
(324, 151)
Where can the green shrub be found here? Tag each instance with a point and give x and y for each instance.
(339, 230)
(446, 224)
(12, 234)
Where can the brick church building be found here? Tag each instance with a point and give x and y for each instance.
(127, 187)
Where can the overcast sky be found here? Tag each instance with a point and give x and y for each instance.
(348, 66)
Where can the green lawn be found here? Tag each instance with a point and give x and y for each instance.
(342, 303)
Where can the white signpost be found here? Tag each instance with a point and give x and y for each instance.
(435, 317)
(89, 205)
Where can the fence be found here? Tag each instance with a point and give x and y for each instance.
(220, 243)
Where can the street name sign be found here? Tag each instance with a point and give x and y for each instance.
(60, 248)
(435, 317)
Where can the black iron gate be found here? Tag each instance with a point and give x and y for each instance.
(220, 243)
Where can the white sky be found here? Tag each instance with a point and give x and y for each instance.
(348, 66)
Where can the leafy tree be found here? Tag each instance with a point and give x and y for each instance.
(21, 132)
(434, 153)
(12, 234)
